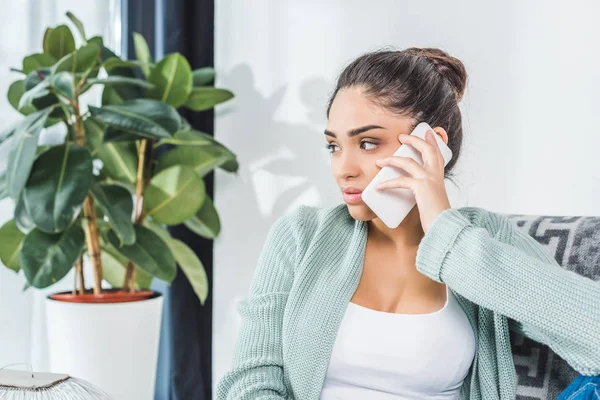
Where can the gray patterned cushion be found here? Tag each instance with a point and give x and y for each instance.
(575, 244)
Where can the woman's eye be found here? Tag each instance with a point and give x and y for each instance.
(365, 145)
(330, 147)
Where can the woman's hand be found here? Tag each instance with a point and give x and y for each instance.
(426, 182)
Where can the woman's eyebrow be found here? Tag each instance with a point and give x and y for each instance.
(355, 131)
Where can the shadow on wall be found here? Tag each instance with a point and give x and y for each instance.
(282, 164)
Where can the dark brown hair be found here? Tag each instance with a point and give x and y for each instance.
(421, 83)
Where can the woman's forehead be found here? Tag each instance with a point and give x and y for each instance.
(352, 109)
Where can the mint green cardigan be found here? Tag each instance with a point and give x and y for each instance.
(310, 267)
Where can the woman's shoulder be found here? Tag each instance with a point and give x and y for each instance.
(311, 219)
(484, 217)
(475, 214)
(496, 223)
(479, 216)
(306, 221)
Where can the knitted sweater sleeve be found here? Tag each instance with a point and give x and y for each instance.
(257, 371)
(519, 279)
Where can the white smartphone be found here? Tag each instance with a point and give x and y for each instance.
(392, 205)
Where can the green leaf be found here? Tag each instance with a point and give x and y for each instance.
(184, 124)
(189, 138)
(15, 92)
(47, 257)
(59, 182)
(11, 241)
(206, 222)
(43, 148)
(97, 40)
(22, 217)
(202, 159)
(39, 100)
(188, 261)
(174, 195)
(45, 42)
(120, 80)
(172, 78)
(116, 204)
(60, 42)
(203, 76)
(77, 24)
(63, 83)
(218, 156)
(22, 154)
(142, 52)
(157, 228)
(127, 92)
(37, 61)
(93, 134)
(205, 98)
(119, 161)
(192, 267)
(116, 62)
(3, 186)
(149, 252)
(113, 271)
(143, 117)
(40, 91)
(230, 165)
(78, 61)
(110, 96)
(10, 130)
(142, 278)
(115, 135)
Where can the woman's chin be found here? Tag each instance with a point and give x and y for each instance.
(361, 212)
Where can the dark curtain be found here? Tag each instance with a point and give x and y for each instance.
(184, 371)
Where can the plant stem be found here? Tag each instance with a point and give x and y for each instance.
(89, 212)
(139, 209)
(79, 270)
(139, 188)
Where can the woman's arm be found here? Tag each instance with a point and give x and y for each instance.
(257, 371)
(519, 279)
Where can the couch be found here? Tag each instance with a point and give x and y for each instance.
(575, 244)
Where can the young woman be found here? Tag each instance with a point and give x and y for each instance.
(342, 307)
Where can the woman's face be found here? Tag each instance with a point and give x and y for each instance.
(359, 133)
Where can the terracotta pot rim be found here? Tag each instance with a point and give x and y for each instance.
(108, 296)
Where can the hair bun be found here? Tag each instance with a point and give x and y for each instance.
(449, 67)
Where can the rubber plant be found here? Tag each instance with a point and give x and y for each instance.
(101, 193)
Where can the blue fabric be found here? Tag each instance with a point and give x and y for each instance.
(582, 388)
(163, 386)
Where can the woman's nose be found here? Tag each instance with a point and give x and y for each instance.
(348, 166)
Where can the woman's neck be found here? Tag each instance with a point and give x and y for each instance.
(408, 234)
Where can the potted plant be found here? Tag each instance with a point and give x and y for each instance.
(99, 199)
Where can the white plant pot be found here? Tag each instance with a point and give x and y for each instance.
(111, 345)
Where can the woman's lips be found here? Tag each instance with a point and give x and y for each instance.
(352, 198)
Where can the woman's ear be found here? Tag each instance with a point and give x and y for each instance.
(442, 133)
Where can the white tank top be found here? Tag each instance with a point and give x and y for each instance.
(382, 356)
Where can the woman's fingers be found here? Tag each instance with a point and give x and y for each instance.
(429, 151)
(430, 136)
(404, 182)
(405, 163)
(433, 162)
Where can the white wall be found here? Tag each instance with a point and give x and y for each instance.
(529, 111)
